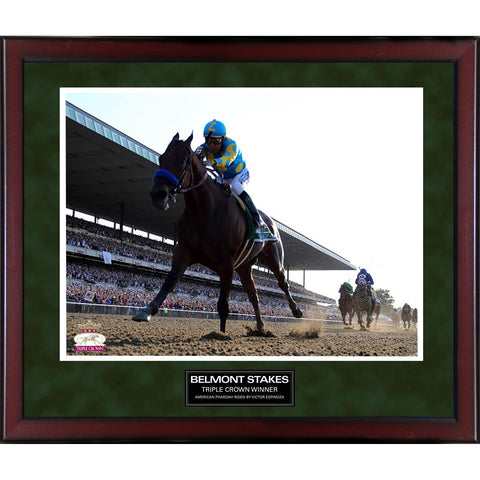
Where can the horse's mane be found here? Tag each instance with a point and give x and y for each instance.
(175, 142)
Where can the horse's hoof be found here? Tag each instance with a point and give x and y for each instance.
(297, 313)
(258, 332)
(142, 315)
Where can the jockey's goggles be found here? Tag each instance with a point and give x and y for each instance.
(214, 140)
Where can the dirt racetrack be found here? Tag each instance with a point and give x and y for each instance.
(201, 337)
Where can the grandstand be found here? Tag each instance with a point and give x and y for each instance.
(139, 265)
(123, 258)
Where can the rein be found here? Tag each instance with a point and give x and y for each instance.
(178, 182)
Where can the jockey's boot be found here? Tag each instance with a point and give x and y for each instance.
(253, 209)
(262, 231)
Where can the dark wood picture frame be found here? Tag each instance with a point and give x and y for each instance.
(463, 427)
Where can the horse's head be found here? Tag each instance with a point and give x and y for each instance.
(362, 280)
(174, 164)
(362, 287)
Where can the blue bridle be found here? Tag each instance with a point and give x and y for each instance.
(169, 176)
(177, 183)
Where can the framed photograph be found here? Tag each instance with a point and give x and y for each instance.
(285, 170)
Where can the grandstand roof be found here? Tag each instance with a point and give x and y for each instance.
(109, 174)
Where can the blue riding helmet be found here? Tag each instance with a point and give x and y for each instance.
(214, 129)
(363, 270)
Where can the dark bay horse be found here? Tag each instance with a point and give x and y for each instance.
(212, 231)
(376, 311)
(345, 304)
(363, 302)
(406, 316)
(395, 318)
(415, 317)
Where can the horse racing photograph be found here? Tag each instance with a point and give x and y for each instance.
(242, 223)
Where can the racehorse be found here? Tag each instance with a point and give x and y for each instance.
(363, 302)
(395, 318)
(415, 317)
(212, 231)
(376, 311)
(406, 316)
(345, 304)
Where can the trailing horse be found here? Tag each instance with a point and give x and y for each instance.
(363, 302)
(406, 315)
(376, 311)
(415, 317)
(345, 304)
(212, 231)
(395, 318)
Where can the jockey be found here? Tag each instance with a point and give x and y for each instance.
(348, 286)
(364, 275)
(227, 160)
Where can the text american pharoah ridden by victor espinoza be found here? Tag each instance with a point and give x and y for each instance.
(239, 388)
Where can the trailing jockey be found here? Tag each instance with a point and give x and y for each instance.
(364, 276)
(226, 158)
(347, 286)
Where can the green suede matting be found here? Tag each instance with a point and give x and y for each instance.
(156, 389)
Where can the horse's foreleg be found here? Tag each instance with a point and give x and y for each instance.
(360, 319)
(222, 304)
(245, 274)
(180, 262)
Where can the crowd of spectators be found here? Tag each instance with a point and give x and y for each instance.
(91, 283)
(88, 235)
(114, 233)
(94, 282)
(125, 249)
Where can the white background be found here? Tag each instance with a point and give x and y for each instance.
(303, 17)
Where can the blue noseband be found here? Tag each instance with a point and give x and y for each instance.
(162, 173)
